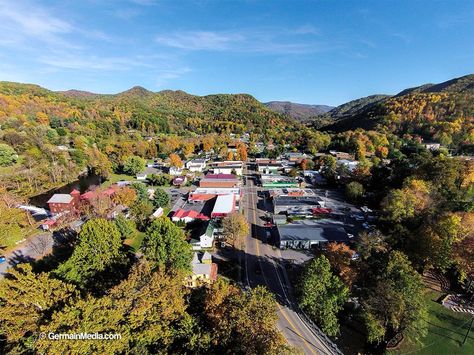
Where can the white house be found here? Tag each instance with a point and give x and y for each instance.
(206, 237)
(175, 171)
(196, 165)
(228, 167)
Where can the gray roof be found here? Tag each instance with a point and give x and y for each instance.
(297, 201)
(199, 269)
(197, 161)
(302, 232)
(60, 198)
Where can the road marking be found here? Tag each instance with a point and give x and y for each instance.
(282, 311)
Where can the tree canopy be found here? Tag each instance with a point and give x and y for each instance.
(165, 245)
(322, 294)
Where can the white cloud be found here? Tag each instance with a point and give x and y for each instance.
(200, 40)
(303, 39)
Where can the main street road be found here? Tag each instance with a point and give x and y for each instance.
(262, 267)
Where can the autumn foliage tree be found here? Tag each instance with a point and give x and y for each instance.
(230, 314)
(340, 258)
(125, 196)
(235, 228)
(175, 160)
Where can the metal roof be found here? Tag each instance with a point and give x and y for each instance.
(60, 198)
(302, 232)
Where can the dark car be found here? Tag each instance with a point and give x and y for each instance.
(258, 269)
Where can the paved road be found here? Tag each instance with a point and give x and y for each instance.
(31, 249)
(262, 267)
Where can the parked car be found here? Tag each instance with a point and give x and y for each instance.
(269, 235)
(268, 224)
(2, 259)
(258, 269)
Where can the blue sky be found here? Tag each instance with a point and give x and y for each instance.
(320, 52)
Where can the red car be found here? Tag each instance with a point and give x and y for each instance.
(268, 224)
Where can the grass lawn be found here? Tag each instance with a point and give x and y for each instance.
(117, 177)
(136, 241)
(446, 331)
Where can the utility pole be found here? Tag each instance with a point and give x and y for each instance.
(468, 331)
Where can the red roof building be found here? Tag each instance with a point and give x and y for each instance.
(188, 216)
(219, 180)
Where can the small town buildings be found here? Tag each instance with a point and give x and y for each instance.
(179, 181)
(279, 219)
(202, 194)
(196, 165)
(175, 171)
(291, 192)
(181, 215)
(204, 271)
(296, 205)
(278, 181)
(351, 165)
(227, 167)
(296, 157)
(268, 166)
(90, 195)
(64, 203)
(307, 235)
(225, 205)
(341, 155)
(219, 180)
(158, 213)
(204, 238)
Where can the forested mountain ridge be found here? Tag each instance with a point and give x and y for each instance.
(299, 111)
(464, 84)
(139, 108)
(442, 112)
(356, 106)
(51, 137)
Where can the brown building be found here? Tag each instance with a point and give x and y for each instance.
(64, 203)
(219, 180)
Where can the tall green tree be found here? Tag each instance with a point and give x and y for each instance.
(134, 165)
(7, 155)
(160, 198)
(99, 249)
(125, 226)
(322, 294)
(354, 191)
(166, 246)
(395, 303)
